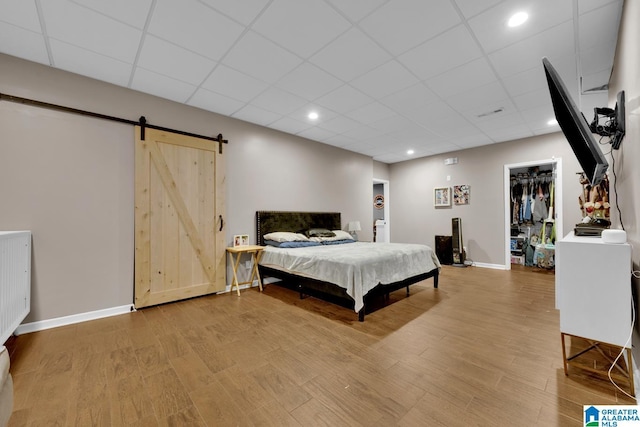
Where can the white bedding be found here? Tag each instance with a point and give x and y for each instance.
(356, 267)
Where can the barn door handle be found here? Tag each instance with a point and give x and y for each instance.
(221, 222)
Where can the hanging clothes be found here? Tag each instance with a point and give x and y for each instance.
(540, 211)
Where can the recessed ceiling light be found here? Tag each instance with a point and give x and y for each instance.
(518, 19)
(552, 122)
(313, 115)
(410, 152)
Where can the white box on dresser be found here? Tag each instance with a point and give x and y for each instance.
(593, 289)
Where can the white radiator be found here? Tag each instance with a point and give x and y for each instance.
(15, 280)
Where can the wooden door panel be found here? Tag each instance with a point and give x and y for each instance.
(179, 243)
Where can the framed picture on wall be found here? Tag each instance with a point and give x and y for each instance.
(441, 196)
(461, 194)
(240, 240)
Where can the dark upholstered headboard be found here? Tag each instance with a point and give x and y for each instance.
(270, 221)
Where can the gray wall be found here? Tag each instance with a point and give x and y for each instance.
(416, 220)
(69, 179)
(625, 77)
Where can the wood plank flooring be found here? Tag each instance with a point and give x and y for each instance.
(482, 350)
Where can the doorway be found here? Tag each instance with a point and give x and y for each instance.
(381, 213)
(509, 170)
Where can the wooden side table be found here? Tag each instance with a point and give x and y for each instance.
(256, 253)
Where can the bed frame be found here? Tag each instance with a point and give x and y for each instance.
(270, 221)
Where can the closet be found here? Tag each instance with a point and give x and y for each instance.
(532, 213)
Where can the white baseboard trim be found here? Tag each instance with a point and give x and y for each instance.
(41, 325)
(493, 266)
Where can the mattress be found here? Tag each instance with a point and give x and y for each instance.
(356, 267)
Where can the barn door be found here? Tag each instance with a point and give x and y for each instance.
(179, 217)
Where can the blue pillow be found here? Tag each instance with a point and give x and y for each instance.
(290, 244)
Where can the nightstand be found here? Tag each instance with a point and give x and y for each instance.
(256, 253)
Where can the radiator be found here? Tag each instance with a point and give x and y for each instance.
(15, 280)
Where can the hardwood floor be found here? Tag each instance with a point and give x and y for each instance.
(484, 349)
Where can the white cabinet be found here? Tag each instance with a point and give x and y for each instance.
(593, 289)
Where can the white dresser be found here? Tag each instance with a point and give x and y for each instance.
(593, 292)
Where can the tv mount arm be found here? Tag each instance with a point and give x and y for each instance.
(614, 124)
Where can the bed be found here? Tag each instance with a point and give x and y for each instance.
(350, 274)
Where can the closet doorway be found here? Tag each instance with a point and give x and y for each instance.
(528, 168)
(381, 210)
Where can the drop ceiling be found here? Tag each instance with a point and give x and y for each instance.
(384, 76)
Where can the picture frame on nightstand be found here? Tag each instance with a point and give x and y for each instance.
(240, 240)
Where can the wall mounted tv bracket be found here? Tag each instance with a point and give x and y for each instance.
(614, 123)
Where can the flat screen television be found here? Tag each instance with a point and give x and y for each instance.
(575, 128)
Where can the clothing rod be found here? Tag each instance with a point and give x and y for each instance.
(142, 122)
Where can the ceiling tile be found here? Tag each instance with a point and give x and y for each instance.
(554, 43)
(471, 8)
(339, 124)
(362, 132)
(355, 10)
(371, 113)
(301, 114)
(344, 99)
(534, 99)
(400, 25)
(194, 26)
(315, 25)
(85, 62)
(509, 133)
(260, 58)
(585, 6)
(309, 82)
(215, 102)
(89, 30)
(253, 114)
(607, 35)
(278, 101)
(526, 81)
(234, 84)
(384, 80)
(338, 57)
(411, 98)
(20, 13)
(493, 33)
(23, 43)
(132, 13)
(185, 65)
(434, 57)
(391, 124)
(289, 125)
(481, 98)
(244, 11)
(340, 141)
(163, 86)
(317, 134)
(464, 78)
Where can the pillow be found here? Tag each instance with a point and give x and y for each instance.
(337, 235)
(285, 236)
(343, 235)
(319, 232)
(297, 244)
(337, 242)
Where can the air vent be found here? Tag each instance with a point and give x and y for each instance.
(491, 113)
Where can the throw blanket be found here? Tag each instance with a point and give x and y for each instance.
(357, 267)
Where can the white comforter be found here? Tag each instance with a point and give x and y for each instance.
(357, 267)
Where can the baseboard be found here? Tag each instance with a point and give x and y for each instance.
(493, 266)
(41, 325)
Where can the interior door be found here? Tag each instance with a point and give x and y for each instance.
(179, 217)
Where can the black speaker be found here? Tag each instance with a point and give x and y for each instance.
(444, 250)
